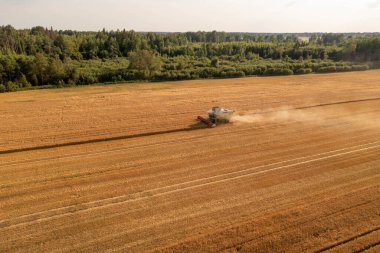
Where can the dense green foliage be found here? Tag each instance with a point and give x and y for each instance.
(39, 56)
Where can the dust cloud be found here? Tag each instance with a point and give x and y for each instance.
(321, 116)
(277, 115)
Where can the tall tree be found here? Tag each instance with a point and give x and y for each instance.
(144, 61)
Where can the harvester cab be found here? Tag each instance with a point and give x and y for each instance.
(217, 116)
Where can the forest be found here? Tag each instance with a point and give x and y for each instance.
(42, 57)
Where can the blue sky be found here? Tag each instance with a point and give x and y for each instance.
(194, 15)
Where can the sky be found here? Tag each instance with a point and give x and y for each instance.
(195, 15)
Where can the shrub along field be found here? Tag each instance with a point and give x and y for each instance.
(40, 57)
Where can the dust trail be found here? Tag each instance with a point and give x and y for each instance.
(355, 117)
(277, 115)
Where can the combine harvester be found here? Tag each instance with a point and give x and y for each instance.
(217, 116)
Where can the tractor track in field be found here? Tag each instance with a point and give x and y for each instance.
(105, 238)
(139, 196)
(282, 206)
(76, 143)
(345, 241)
(285, 205)
(186, 129)
(324, 105)
(68, 210)
(370, 246)
(315, 218)
(279, 206)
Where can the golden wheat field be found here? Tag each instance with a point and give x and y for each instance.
(127, 168)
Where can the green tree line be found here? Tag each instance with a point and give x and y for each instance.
(40, 56)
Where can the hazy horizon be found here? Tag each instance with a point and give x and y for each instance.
(271, 16)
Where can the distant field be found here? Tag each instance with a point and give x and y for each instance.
(126, 168)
